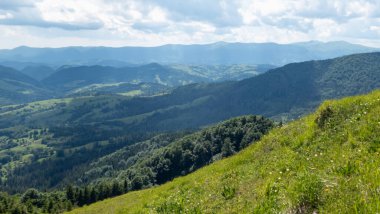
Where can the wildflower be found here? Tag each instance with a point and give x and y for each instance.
(331, 161)
(279, 178)
(287, 169)
(316, 155)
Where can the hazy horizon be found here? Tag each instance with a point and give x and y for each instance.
(189, 44)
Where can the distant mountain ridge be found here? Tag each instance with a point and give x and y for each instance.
(283, 93)
(138, 80)
(215, 53)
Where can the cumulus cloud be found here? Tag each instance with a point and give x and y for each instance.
(156, 22)
(40, 14)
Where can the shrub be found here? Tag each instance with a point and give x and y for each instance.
(308, 192)
(324, 117)
(228, 192)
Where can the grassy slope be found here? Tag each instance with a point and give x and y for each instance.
(301, 167)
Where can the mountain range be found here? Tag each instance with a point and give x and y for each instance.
(283, 93)
(77, 136)
(73, 130)
(215, 53)
(141, 80)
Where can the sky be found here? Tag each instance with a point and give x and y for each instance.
(59, 23)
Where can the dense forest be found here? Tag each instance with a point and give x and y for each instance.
(133, 167)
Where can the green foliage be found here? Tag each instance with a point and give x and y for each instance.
(309, 192)
(228, 192)
(324, 116)
(296, 168)
(145, 164)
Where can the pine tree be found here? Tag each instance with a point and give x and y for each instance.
(116, 189)
(126, 186)
(93, 195)
(87, 195)
(70, 193)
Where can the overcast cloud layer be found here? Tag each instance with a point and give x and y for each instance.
(57, 23)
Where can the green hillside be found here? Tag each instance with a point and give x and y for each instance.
(121, 88)
(16, 87)
(54, 139)
(73, 77)
(37, 72)
(89, 175)
(283, 93)
(327, 162)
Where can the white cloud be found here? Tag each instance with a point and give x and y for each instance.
(156, 22)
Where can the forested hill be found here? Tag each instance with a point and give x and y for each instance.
(291, 90)
(324, 163)
(299, 87)
(75, 77)
(16, 87)
(133, 167)
(50, 138)
(283, 93)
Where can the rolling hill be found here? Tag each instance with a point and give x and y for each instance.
(219, 73)
(326, 162)
(216, 53)
(16, 87)
(38, 72)
(121, 88)
(69, 78)
(283, 93)
(143, 80)
(58, 138)
(81, 129)
(73, 77)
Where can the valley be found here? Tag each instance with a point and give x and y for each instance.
(75, 135)
(189, 107)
